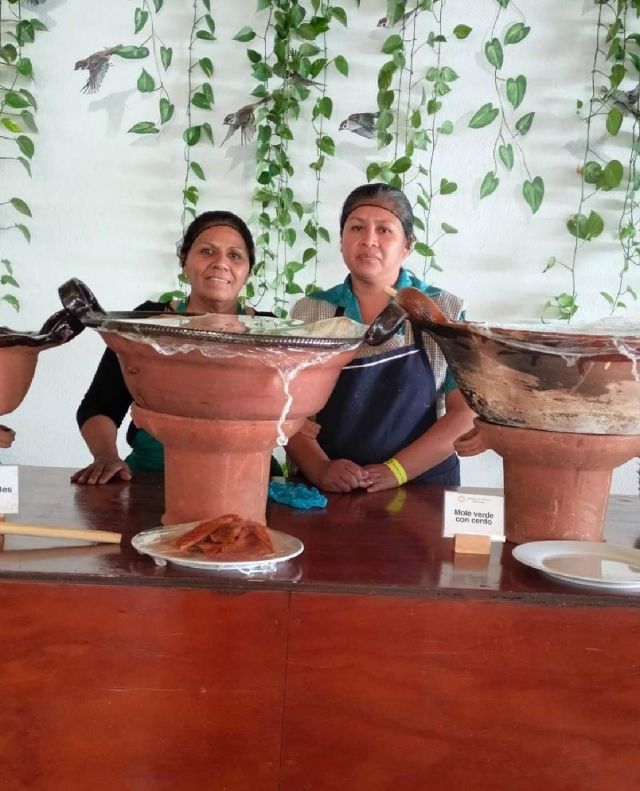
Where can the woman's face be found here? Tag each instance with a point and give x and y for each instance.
(217, 264)
(373, 244)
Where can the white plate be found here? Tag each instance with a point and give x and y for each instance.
(285, 548)
(584, 563)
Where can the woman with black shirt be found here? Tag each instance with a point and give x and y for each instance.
(217, 255)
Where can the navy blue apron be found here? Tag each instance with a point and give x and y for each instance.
(382, 404)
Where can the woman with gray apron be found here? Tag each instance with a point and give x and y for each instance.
(395, 411)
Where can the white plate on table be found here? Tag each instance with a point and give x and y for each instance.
(587, 563)
(146, 543)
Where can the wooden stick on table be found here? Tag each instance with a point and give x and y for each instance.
(45, 531)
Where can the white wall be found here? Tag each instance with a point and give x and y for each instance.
(107, 205)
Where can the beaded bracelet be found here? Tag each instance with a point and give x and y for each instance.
(398, 470)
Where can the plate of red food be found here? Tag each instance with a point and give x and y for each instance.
(226, 542)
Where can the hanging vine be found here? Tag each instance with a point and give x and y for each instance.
(17, 108)
(144, 21)
(294, 70)
(612, 51)
(509, 133)
(421, 99)
(201, 98)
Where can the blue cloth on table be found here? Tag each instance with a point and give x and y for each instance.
(297, 495)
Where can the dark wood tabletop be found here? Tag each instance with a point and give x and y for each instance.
(388, 543)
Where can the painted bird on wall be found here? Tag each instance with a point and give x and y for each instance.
(626, 101)
(244, 120)
(384, 22)
(363, 124)
(97, 65)
(292, 76)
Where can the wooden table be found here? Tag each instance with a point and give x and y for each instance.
(373, 662)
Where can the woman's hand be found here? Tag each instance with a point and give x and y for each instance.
(102, 470)
(309, 429)
(381, 478)
(340, 475)
(7, 436)
(470, 444)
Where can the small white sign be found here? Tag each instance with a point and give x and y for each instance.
(473, 512)
(8, 490)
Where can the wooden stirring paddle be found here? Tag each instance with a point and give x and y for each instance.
(418, 305)
(47, 531)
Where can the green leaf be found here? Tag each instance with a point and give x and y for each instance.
(12, 301)
(170, 296)
(146, 83)
(447, 74)
(197, 169)
(289, 236)
(489, 184)
(191, 135)
(25, 144)
(11, 125)
(306, 31)
(612, 174)
(373, 171)
(324, 233)
(340, 14)
(205, 35)
(503, 3)
(158, 4)
(447, 187)
(448, 228)
(191, 194)
(201, 101)
(326, 145)
(29, 97)
(24, 67)
(461, 31)
(210, 23)
(392, 44)
(550, 264)
(144, 128)
(166, 54)
(516, 90)
(614, 121)
(8, 280)
(617, 75)
(401, 165)
(493, 53)
(8, 53)
(15, 100)
(592, 172)
(207, 66)
(24, 231)
(206, 128)
(608, 297)
(132, 53)
(524, 124)
(324, 107)
(140, 19)
(341, 65)
(29, 120)
(586, 228)
(533, 192)
(19, 205)
(516, 33)
(446, 128)
(423, 249)
(25, 163)
(484, 116)
(166, 110)
(433, 106)
(506, 155)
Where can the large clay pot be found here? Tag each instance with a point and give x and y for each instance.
(19, 355)
(578, 382)
(219, 401)
(556, 485)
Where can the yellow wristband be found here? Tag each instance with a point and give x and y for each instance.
(398, 470)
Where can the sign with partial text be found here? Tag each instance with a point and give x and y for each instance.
(8, 490)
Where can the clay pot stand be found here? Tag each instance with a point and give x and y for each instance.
(556, 484)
